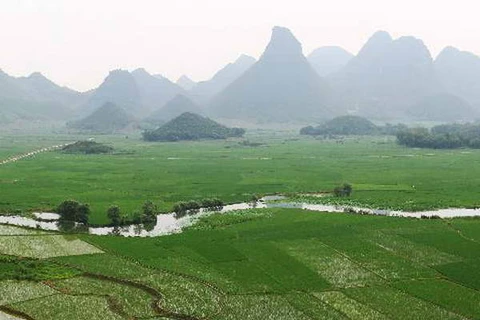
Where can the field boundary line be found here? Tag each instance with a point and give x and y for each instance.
(30, 154)
(460, 232)
(13, 312)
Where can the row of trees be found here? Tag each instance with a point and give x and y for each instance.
(77, 212)
(72, 211)
(183, 208)
(148, 215)
(442, 137)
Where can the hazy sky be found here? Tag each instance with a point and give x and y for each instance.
(76, 42)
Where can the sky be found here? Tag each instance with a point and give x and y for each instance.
(76, 43)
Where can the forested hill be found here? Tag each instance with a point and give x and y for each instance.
(191, 126)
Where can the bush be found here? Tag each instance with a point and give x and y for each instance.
(343, 191)
(212, 204)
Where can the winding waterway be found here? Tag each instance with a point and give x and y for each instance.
(169, 223)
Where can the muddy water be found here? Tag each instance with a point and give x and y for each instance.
(169, 223)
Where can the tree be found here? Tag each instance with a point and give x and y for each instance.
(115, 215)
(149, 212)
(72, 210)
(347, 189)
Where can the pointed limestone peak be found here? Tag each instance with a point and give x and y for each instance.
(140, 72)
(37, 75)
(381, 36)
(377, 43)
(409, 50)
(185, 82)
(282, 43)
(118, 74)
(245, 60)
(449, 53)
(454, 57)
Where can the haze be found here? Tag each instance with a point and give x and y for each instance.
(76, 43)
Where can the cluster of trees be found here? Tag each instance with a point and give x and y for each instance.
(344, 190)
(87, 147)
(147, 216)
(73, 211)
(351, 125)
(190, 207)
(450, 136)
(190, 126)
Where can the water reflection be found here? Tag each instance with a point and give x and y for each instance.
(71, 227)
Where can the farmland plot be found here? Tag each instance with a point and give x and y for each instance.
(45, 246)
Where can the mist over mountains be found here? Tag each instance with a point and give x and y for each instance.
(388, 80)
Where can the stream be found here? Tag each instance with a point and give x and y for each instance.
(168, 223)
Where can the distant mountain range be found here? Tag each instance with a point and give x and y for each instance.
(36, 98)
(388, 80)
(279, 87)
(203, 91)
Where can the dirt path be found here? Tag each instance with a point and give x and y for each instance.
(30, 154)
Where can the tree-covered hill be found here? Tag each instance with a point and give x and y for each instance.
(191, 126)
(345, 125)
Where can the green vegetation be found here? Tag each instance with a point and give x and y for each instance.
(190, 207)
(62, 307)
(12, 268)
(345, 125)
(352, 126)
(343, 191)
(249, 264)
(115, 216)
(44, 246)
(16, 291)
(297, 265)
(128, 300)
(167, 173)
(71, 210)
(442, 137)
(87, 147)
(257, 264)
(191, 126)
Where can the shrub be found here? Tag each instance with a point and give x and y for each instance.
(343, 191)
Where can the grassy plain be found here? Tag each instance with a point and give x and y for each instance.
(383, 174)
